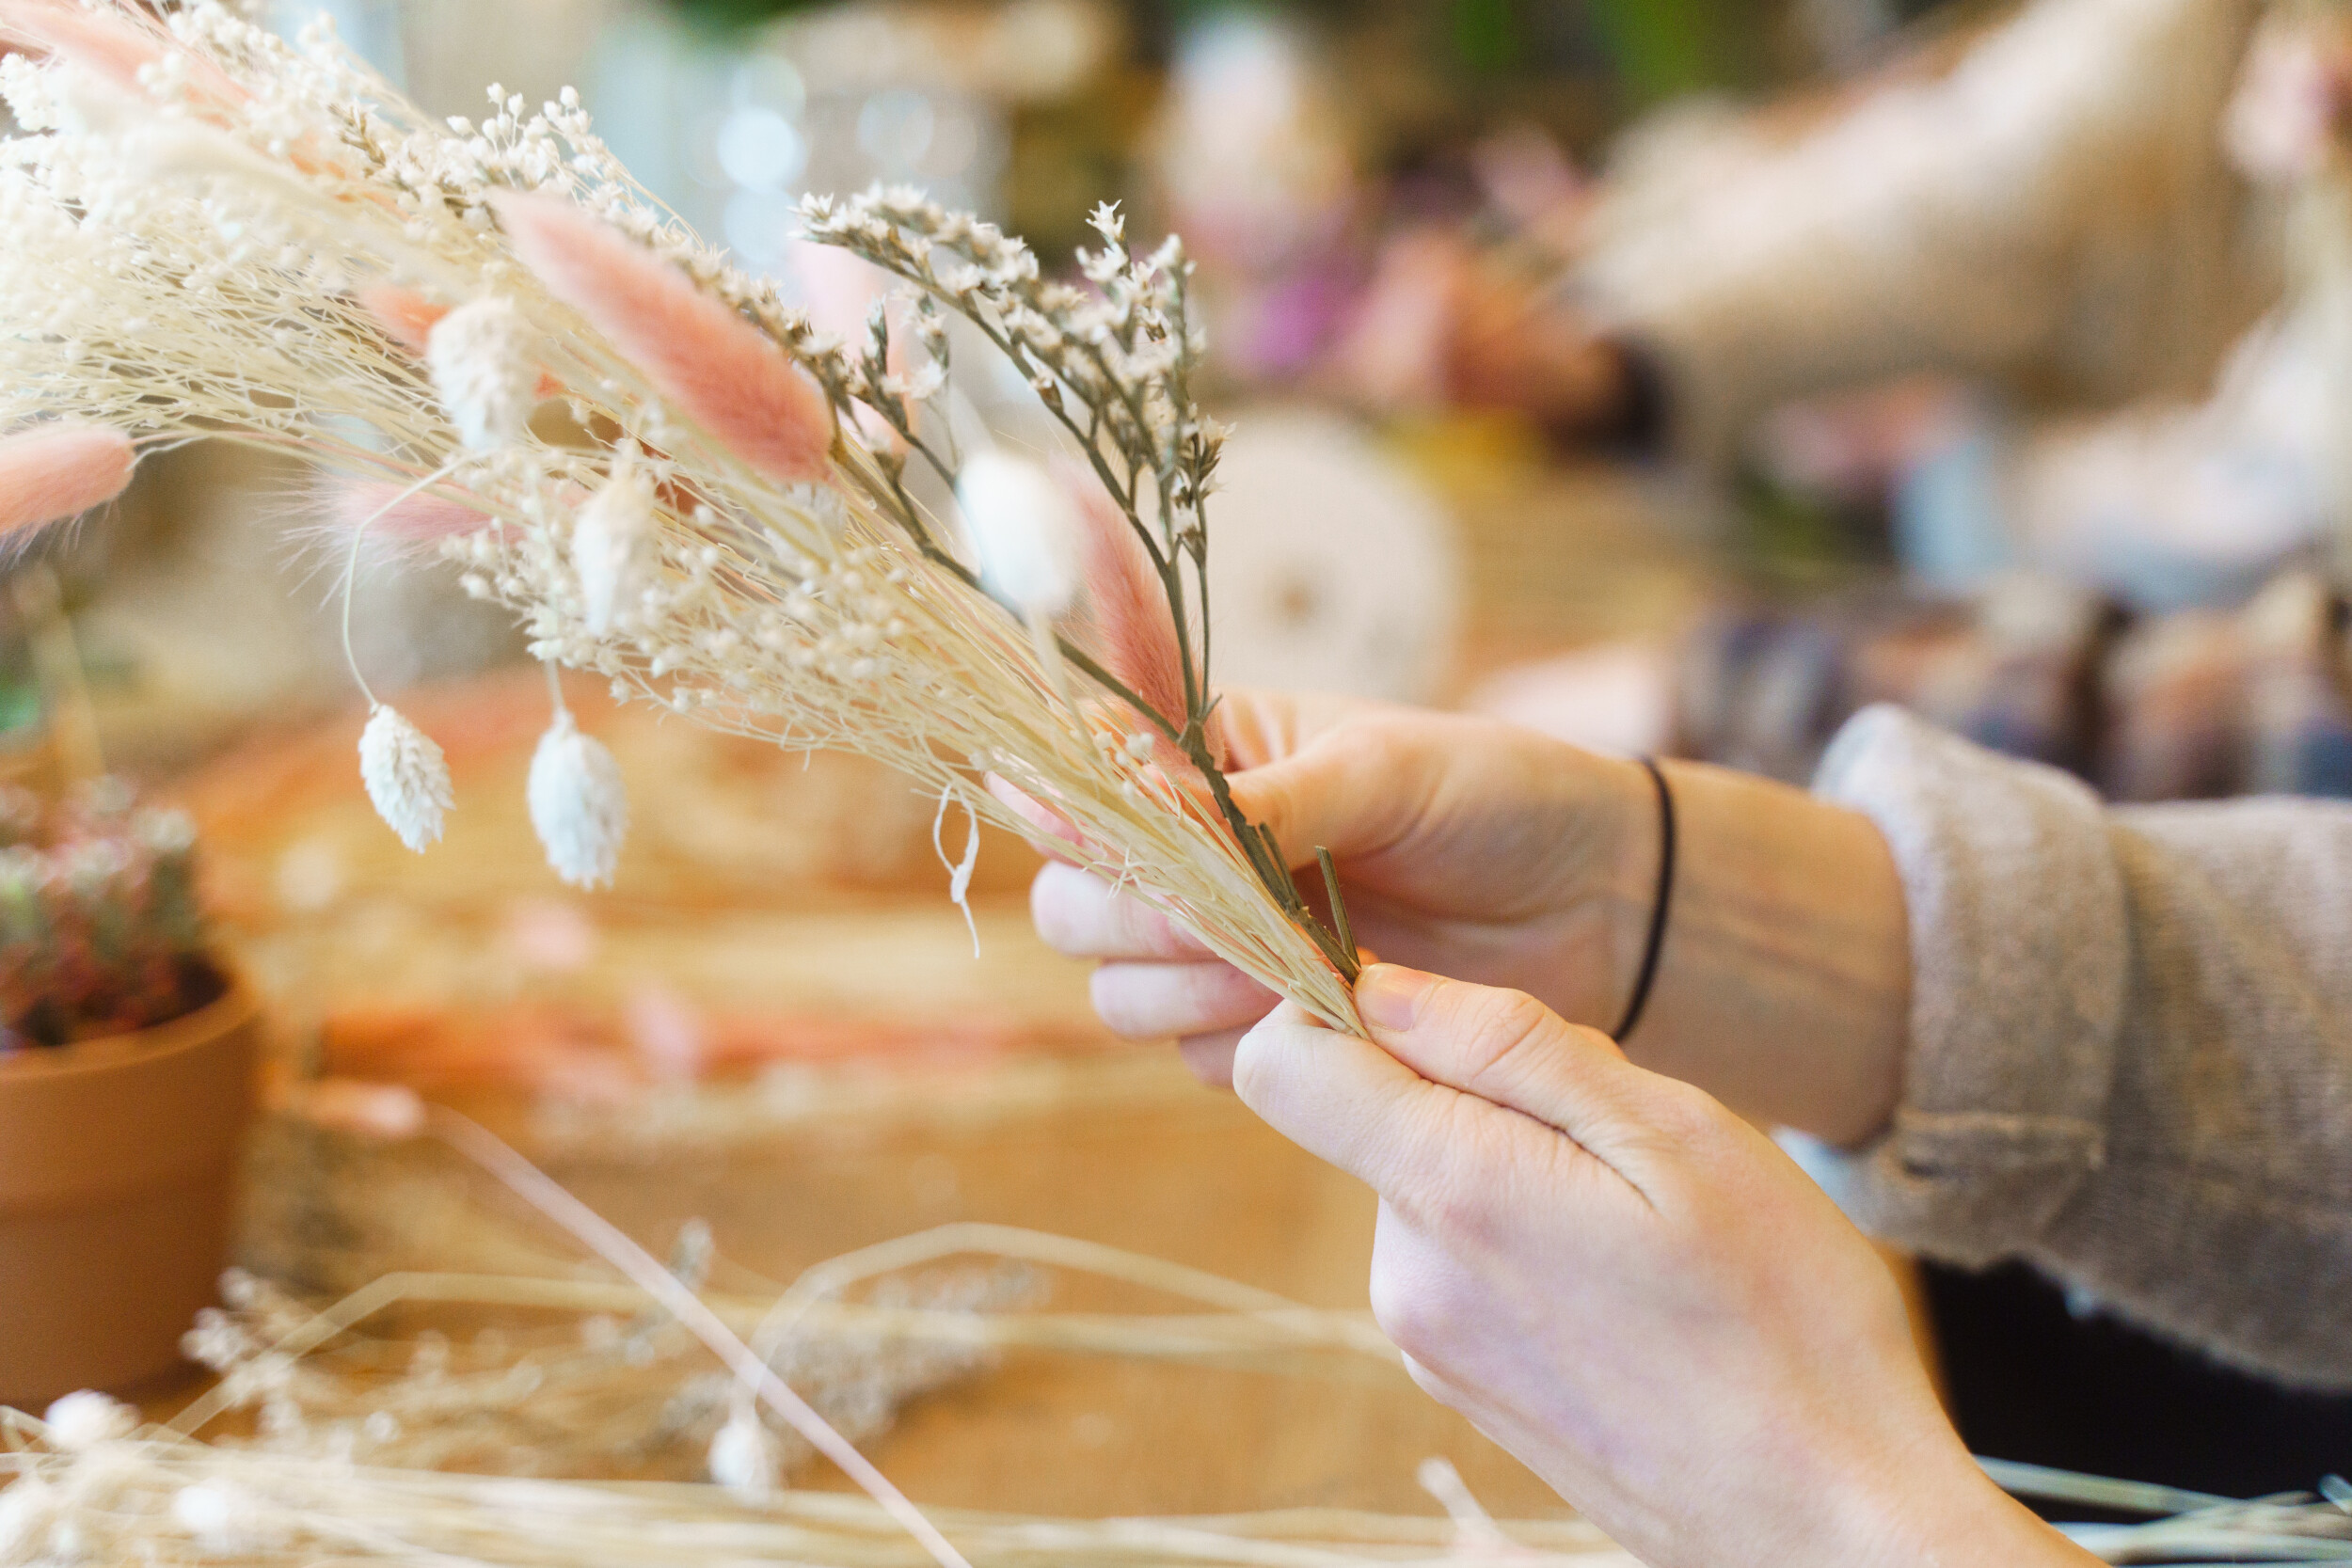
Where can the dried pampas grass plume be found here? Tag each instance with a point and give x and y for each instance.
(54, 471)
(716, 368)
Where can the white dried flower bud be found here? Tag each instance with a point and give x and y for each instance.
(28, 1509)
(743, 1456)
(578, 804)
(485, 371)
(1025, 528)
(82, 1420)
(223, 1518)
(609, 542)
(405, 775)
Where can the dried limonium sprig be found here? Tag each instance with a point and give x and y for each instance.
(672, 477)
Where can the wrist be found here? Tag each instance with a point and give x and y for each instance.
(1938, 1507)
(1784, 978)
(1624, 886)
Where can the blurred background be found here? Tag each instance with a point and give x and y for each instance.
(1671, 376)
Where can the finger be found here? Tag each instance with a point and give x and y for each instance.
(1161, 1001)
(1082, 915)
(1261, 727)
(1509, 1050)
(1354, 789)
(1051, 835)
(1346, 1101)
(1210, 1057)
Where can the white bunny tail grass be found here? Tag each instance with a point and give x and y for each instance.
(197, 208)
(578, 804)
(406, 777)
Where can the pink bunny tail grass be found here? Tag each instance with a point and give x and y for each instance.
(101, 45)
(421, 520)
(1130, 631)
(838, 290)
(107, 46)
(406, 318)
(51, 472)
(716, 367)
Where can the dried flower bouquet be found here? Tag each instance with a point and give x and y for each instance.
(507, 347)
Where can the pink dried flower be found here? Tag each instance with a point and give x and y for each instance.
(1132, 632)
(423, 519)
(51, 472)
(102, 44)
(108, 47)
(407, 317)
(718, 369)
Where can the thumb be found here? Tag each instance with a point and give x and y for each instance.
(1509, 1050)
(1354, 791)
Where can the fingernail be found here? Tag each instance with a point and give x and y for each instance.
(1389, 995)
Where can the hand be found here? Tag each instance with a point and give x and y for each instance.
(1443, 323)
(1471, 848)
(1630, 1289)
(1490, 853)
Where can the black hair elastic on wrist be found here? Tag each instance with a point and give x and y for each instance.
(1649, 972)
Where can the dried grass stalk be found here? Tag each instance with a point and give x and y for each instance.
(216, 234)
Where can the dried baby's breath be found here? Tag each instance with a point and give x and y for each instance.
(260, 241)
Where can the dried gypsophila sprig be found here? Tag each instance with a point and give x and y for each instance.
(615, 1389)
(223, 234)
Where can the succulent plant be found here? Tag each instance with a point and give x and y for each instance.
(100, 927)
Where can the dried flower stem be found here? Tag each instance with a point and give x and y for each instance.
(642, 1269)
(208, 251)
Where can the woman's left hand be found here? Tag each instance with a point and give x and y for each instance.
(1632, 1289)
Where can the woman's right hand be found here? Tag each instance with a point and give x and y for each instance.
(1466, 846)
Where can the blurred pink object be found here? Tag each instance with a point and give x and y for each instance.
(406, 318)
(839, 291)
(2289, 96)
(99, 44)
(718, 369)
(1394, 348)
(669, 1034)
(385, 1112)
(549, 935)
(836, 288)
(51, 472)
(1530, 178)
(108, 48)
(1132, 634)
(1615, 698)
(423, 518)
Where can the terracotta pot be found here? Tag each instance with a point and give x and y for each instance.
(118, 1173)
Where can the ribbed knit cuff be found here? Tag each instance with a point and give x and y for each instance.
(2018, 953)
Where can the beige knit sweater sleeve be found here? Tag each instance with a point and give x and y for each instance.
(2056, 210)
(2131, 1054)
